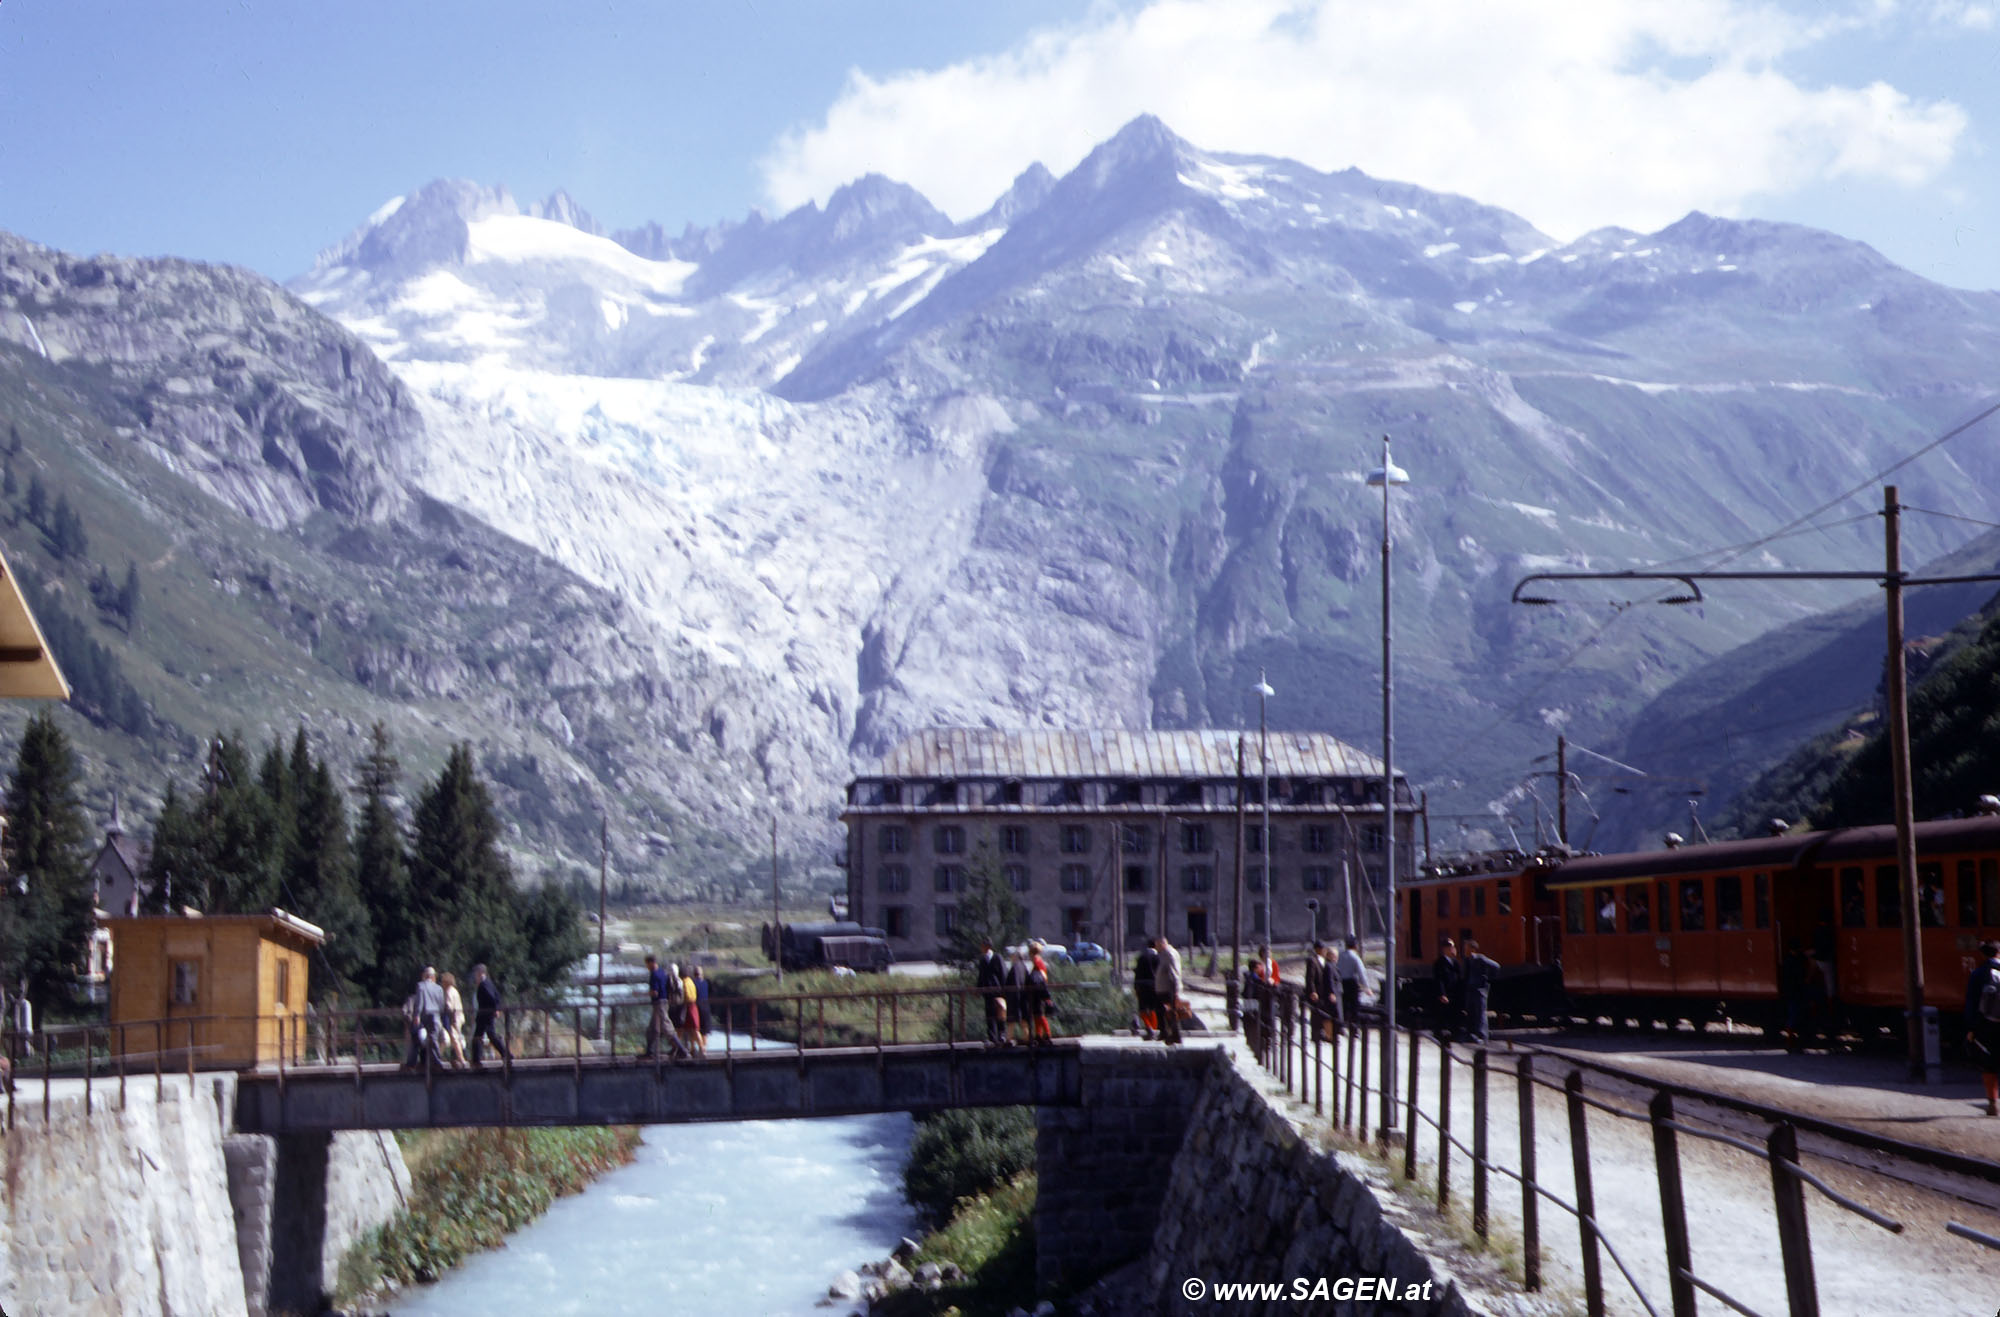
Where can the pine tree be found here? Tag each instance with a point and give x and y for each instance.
(319, 873)
(128, 597)
(989, 911)
(552, 930)
(239, 826)
(178, 869)
(66, 537)
(381, 875)
(461, 884)
(8, 484)
(38, 502)
(47, 849)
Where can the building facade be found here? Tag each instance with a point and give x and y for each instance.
(1112, 837)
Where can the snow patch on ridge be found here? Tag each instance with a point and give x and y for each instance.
(515, 238)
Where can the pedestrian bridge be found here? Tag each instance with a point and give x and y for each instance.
(772, 1083)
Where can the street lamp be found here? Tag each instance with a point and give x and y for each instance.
(1264, 692)
(1385, 476)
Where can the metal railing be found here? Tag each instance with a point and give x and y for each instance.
(1300, 1045)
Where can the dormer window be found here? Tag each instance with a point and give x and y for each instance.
(1010, 791)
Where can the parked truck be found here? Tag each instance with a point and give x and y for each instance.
(830, 945)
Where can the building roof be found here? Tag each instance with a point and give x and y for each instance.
(979, 752)
(27, 671)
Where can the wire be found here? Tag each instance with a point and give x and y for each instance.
(1738, 549)
(1951, 516)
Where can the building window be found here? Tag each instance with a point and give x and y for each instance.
(1254, 878)
(947, 793)
(892, 793)
(896, 920)
(1253, 838)
(1260, 921)
(1014, 839)
(1317, 838)
(1069, 793)
(1138, 878)
(1010, 792)
(1075, 878)
(1195, 839)
(1016, 876)
(948, 878)
(949, 839)
(1198, 878)
(1135, 840)
(1135, 921)
(893, 878)
(947, 920)
(893, 839)
(187, 982)
(1371, 837)
(1075, 839)
(1316, 878)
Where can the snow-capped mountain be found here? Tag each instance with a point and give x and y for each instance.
(1092, 457)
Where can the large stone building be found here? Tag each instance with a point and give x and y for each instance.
(1114, 836)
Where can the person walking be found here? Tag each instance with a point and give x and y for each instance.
(1322, 1007)
(1445, 978)
(690, 1021)
(1353, 976)
(1143, 995)
(1040, 998)
(1982, 1021)
(656, 993)
(1017, 995)
(1476, 976)
(486, 1005)
(425, 1011)
(707, 1021)
(454, 1018)
(992, 977)
(1167, 989)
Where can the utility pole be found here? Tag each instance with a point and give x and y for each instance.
(777, 929)
(603, 864)
(1163, 877)
(1236, 904)
(1562, 792)
(1899, 761)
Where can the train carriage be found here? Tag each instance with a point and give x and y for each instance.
(1503, 901)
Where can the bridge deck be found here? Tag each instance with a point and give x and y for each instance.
(768, 1084)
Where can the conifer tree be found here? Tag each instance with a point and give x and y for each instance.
(47, 851)
(461, 885)
(239, 827)
(128, 597)
(38, 501)
(177, 870)
(989, 910)
(319, 872)
(382, 877)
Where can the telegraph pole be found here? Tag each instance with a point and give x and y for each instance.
(1562, 792)
(1899, 761)
(1236, 903)
(603, 864)
(777, 929)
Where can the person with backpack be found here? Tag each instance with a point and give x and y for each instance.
(1982, 1021)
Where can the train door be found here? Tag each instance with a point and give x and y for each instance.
(1695, 938)
(1613, 974)
(1645, 962)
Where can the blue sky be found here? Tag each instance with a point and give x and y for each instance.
(260, 132)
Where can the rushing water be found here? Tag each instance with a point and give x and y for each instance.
(753, 1218)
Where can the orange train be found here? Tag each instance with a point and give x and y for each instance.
(1697, 932)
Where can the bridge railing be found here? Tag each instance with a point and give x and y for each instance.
(1301, 1044)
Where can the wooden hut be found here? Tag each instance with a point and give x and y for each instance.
(231, 987)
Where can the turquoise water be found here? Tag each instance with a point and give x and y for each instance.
(754, 1218)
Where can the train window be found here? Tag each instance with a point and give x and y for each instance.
(1573, 912)
(1968, 894)
(1444, 902)
(1694, 906)
(1762, 889)
(1666, 909)
(1989, 893)
(1605, 906)
(1930, 895)
(1888, 900)
(1479, 900)
(1638, 909)
(1729, 903)
(1853, 902)
(1503, 896)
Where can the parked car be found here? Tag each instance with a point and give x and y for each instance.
(1085, 953)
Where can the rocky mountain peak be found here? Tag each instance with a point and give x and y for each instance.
(560, 207)
(1030, 188)
(425, 228)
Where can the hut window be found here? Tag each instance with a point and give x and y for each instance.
(1194, 839)
(1133, 839)
(187, 981)
(948, 878)
(284, 987)
(1010, 792)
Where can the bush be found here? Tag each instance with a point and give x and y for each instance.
(961, 1154)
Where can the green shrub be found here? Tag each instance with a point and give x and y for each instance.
(961, 1154)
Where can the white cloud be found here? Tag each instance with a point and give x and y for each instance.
(1575, 115)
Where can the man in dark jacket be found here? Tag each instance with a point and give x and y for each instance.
(1445, 974)
(1142, 990)
(992, 979)
(656, 994)
(485, 1005)
(1982, 1020)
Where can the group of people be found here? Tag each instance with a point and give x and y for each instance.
(1156, 988)
(1463, 979)
(1019, 1002)
(1982, 1021)
(680, 1009)
(434, 1019)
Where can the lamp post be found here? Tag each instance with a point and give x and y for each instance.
(1264, 692)
(1385, 476)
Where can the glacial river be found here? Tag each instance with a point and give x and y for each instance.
(754, 1218)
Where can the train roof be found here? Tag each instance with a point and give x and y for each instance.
(1792, 850)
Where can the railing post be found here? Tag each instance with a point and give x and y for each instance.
(88, 1050)
(1673, 1208)
(190, 1056)
(1444, 1126)
(1531, 1206)
(1794, 1240)
(47, 1062)
(1347, 1113)
(1586, 1203)
(1361, 1114)
(159, 1064)
(1410, 1109)
(1479, 1068)
(1315, 1023)
(123, 1048)
(1232, 997)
